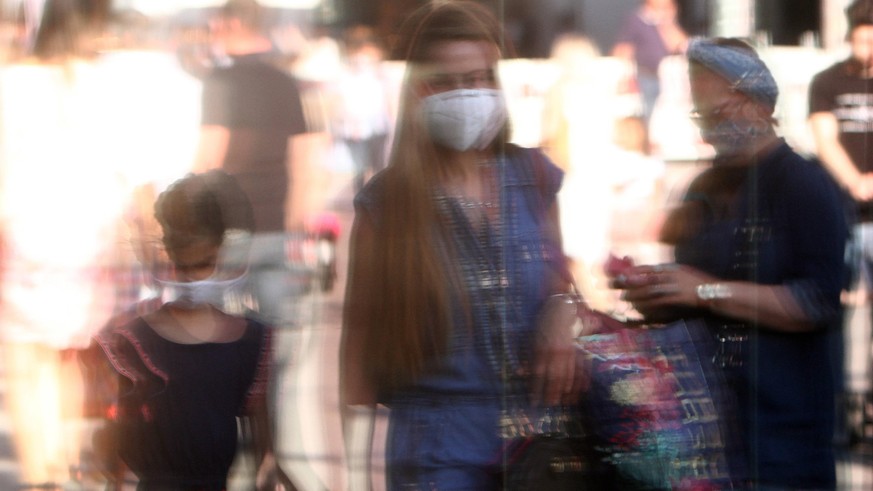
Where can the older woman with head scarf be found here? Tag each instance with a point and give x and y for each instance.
(759, 241)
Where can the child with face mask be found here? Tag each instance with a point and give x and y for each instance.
(181, 376)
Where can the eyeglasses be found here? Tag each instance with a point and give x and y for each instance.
(704, 118)
(714, 115)
(443, 82)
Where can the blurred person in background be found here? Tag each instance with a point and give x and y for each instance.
(758, 241)
(636, 181)
(152, 109)
(252, 127)
(177, 379)
(251, 112)
(577, 130)
(359, 104)
(841, 119)
(535, 26)
(587, 132)
(456, 313)
(576, 104)
(60, 206)
(252, 121)
(647, 36)
(193, 49)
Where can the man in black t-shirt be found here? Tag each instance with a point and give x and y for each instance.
(841, 111)
(251, 113)
(841, 118)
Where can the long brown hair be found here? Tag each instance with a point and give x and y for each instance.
(409, 316)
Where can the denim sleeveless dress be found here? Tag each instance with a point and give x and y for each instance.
(444, 432)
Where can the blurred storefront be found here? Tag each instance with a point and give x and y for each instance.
(534, 23)
(781, 22)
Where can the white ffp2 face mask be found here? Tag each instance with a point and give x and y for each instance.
(464, 119)
(209, 291)
(225, 288)
(730, 137)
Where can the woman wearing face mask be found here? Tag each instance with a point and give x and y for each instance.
(456, 313)
(759, 241)
(180, 376)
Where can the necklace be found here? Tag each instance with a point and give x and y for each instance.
(468, 204)
(478, 203)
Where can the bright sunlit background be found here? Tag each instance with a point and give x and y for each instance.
(131, 120)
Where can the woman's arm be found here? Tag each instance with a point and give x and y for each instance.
(557, 377)
(674, 37)
(826, 133)
(812, 232)
(270, 475)
(657, 290)
(355, 387)
(357, 395)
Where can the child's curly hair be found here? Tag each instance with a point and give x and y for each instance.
(202, 207)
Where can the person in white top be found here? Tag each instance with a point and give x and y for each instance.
(60, 204)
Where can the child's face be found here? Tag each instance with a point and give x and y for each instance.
(195, 262)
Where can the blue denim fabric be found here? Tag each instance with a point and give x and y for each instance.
(452, 445)
(444, 430)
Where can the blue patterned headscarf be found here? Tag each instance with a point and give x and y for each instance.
(742, 68)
